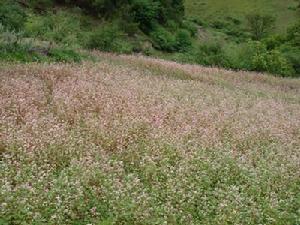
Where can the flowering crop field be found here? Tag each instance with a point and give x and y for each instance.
(134, 140)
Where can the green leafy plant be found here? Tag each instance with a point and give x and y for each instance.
(190, 26)
(292, 54)
(105, 38)
(146, 13)
(60, 27)
(64, 55)
(293, 34)
(12, 16)
(211, 54)
(183, 40)
(164, 40)
(260, 25)
(255, 56)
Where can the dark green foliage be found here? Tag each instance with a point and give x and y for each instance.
(234, 20)
(199, 22)
(260, 25)
(146, 13)
(211, 54)
(41, 4)
(273, 42)
(172, 9)
(18, 53)
(14, 47)
(291, 47)
(102, 6)
(272, 62)
(183, 40)
(292, 54)
(59, 27)
(293, 35)
(256, 57)
(109, 38)
(104, 38)
(218, 24)
(96, 7)
(172, 26)
(190, 26)
(24, 53)
(231, 28)
(48, 32)
(12, 16)
(236, 34)
(64, 55)
(131, 28)
(164, 40)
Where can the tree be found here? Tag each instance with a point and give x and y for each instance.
(146, 13)
(260, 25)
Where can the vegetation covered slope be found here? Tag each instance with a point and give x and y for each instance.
(285, 11)
(235, 24)
(132, 140)
(258, 36)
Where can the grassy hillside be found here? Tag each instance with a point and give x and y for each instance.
(258, 36)
(285, 11)
(134, 140)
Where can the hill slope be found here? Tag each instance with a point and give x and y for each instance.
(212, 33)
(133, 140)
(284, 11)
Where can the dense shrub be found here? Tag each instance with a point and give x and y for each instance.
(273, 42)
(183, 40)
(256, 57)
(19, 53)
(173, 9)
(12, 48)
(172, 26)
(190, 26)
(232, 29)
(104, 38)
(199, 22)
(64, 55)
(96, 7)
(293, 35)
(236, 34)
(272, 62)
(41, 4)
(219, 24)
(12, 16)
(129, 27)
(146, 13)
(164, 40)
(60, 27)
(234, 20)
(211, 54)
(292, 54)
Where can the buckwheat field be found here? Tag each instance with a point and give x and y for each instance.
(134, 140)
